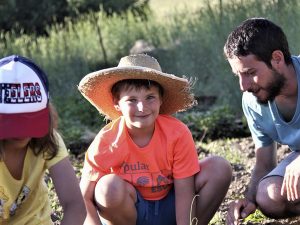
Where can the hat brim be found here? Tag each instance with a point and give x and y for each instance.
(23, 125)
(96, 88)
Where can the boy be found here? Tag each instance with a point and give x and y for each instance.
(142, 168)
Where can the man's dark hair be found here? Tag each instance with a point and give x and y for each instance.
(260, 37)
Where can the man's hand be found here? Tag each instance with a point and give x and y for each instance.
(290, 185)
(239, 209)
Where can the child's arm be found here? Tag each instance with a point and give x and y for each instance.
(68, 192)
(184, 193)
(87, 189)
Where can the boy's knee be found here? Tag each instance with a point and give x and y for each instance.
(220, 168)
(110, 191)
(223, 165)
(215, 170)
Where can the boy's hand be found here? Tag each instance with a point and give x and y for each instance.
(291, 181)
(239, 209)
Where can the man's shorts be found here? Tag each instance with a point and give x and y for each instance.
(279, 170)
(159, 212)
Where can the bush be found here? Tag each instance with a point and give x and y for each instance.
(77, 116)
(216, 123)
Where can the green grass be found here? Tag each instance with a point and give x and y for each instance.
(221, 147)
(167, 8)
(256, 217)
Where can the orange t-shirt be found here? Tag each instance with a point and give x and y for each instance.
(170, 154)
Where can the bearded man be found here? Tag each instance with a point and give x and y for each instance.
(269, 77)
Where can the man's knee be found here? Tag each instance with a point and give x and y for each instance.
(269, 198)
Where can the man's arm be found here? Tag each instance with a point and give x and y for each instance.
(265, 162)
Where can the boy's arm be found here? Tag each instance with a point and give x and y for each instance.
(87, 189)
(68, 192)
(184, 194)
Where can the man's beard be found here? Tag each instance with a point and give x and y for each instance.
(273, 88)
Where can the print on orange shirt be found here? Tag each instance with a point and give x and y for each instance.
(139, 173)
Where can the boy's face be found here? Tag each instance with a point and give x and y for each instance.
(139, 107)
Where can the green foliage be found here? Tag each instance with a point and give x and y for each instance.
(57, 208)
(31, 16)
(219, 122)
(222, 147)
(217, 219)
(198, 41)
(34, 16)
(77, 116)
(137, 7)
(256, 217)
(187, 43)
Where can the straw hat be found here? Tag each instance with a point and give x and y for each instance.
(96, 87)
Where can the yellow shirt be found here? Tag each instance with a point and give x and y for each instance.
(26, 201)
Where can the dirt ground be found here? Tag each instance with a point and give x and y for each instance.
(241, 176)
(240, 180)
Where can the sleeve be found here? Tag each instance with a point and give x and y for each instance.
(99, 159)
(61, 154)
(91, 170)
(106, 154)
(186, 161)
(252, 113)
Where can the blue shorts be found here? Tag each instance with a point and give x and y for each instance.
(159, 212)
(279, 170)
